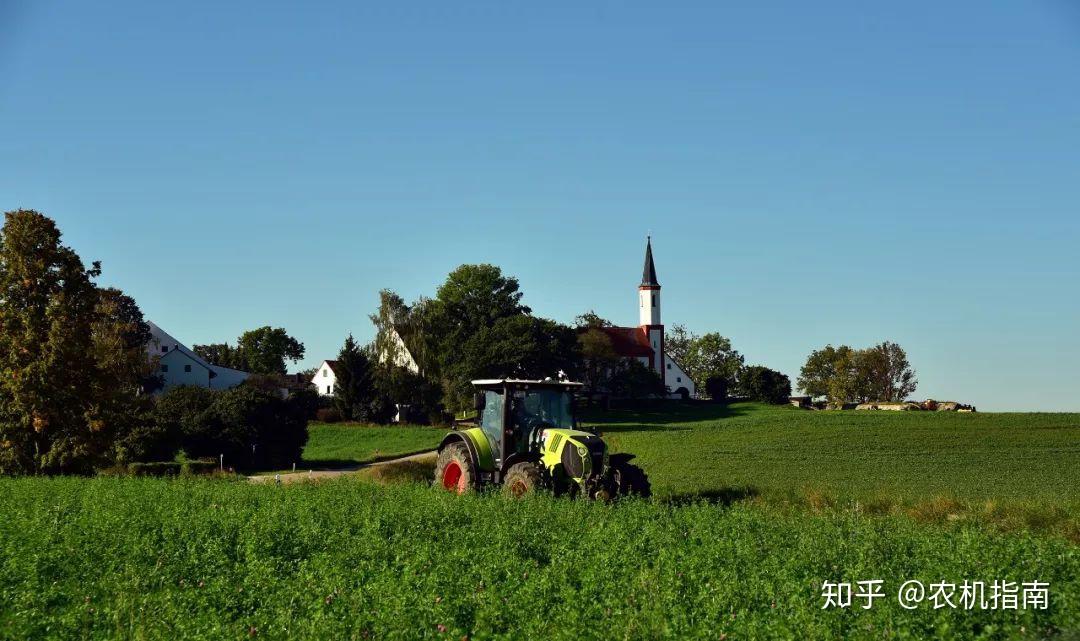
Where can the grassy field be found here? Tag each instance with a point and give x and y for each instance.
(342, 445)
(1005, 467)
(756, 507)
(188, 559)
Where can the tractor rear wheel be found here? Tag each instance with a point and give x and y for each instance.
(523, 478)
(454, 470)
(631, 480)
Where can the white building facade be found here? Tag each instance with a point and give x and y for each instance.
(178, 365)
(325, 379)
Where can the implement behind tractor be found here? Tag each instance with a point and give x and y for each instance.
(528, 440)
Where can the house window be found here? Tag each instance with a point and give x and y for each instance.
(164, 368)
(669, 365)
(325, 373)
(678, 379)
(187, 368)
(329, 389)
(164, 348)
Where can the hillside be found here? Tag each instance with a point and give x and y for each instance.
(906, 456)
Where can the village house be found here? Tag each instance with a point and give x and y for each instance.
(178, 365)
(325, 378)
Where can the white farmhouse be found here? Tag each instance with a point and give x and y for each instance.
(178, 365)
(325, 378)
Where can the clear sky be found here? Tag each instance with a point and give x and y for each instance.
(811, 172)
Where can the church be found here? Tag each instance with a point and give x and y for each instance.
(646, 341)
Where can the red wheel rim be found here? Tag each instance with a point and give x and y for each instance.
(452, 478)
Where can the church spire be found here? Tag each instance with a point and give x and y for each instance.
(648, 275)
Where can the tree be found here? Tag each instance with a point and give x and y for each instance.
(717, 388)
(64, 353)
(845, 375)
(513, 347)
(598, 358)
(473, 299)
(677, 341)
(591, 320)
(760, 383)
(355, 393)
(221, 354)
(258, 351)
(265, 350)
(712, 356)
(634, 380)
(890, 377)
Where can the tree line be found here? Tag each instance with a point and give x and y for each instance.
(77, 381)
(425, 353)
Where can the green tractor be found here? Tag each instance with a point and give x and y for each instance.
(528, 440)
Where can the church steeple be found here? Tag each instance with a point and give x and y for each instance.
(648, 275)
(649, 292)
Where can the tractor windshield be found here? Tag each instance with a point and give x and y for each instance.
(542, 408)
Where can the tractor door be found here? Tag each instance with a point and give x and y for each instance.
(491, 421)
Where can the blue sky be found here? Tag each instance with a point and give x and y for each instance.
(810, 172)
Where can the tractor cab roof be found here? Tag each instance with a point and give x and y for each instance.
(515, 383)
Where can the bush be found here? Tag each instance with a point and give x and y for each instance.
(256, 428)
(717, 388)
(760, 383)
(251, 426)
(182, 421)
(328, 415)
(199, 467)
(155, 468)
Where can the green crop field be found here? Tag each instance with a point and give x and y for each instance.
(1006, 467)
(756, 507)
(343, 444)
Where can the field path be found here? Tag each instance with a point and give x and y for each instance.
(311, 475)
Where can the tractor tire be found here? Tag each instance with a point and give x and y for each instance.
(631, 480)
(523, 479)
(455, 471)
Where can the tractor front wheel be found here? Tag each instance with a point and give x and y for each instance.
(630, 480)
(454, 470)
(523, 478)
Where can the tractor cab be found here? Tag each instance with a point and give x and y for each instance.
(514, 413)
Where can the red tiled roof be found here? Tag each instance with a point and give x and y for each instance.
(628, 341)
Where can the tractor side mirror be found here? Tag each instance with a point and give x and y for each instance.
(479, 402)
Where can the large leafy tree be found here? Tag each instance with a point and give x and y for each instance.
(677, 341)
(711, 356)
(846, 375)
(472, 300)
(760, 383)
(265, 350)
(259, 351)
(890, 375)
(221, 354)
(72, 364)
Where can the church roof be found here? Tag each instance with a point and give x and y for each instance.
(648, 275)
(628, 341)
